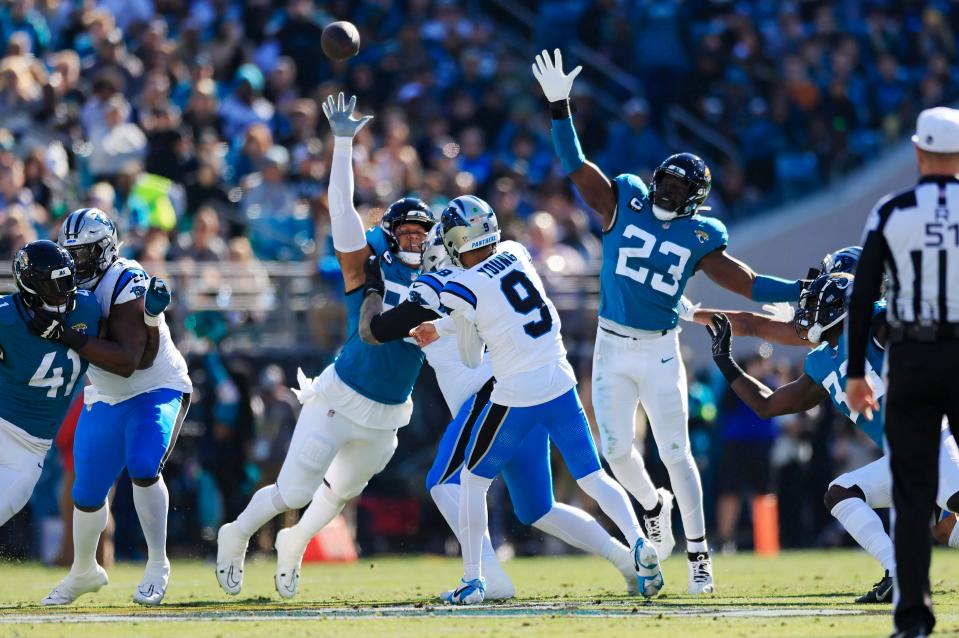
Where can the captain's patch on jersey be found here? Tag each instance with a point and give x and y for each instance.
(701, 235)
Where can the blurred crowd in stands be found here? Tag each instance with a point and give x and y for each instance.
(196, 125)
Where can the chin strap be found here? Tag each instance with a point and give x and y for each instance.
(410, 258)
(664, 215)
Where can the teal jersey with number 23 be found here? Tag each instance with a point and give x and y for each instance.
(39, 377)
(647, 262)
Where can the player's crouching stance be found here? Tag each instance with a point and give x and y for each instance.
(853, 496)
(499, 300)
(38, 377)
(347, 428)
(467, 391)
(135, 405)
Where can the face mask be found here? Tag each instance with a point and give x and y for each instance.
(662, 214)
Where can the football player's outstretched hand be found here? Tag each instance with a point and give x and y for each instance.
(340, 115)
(374, 277)
(687, 309)
(780, 311)
(158, 297)
(721, 332)
(549, 73)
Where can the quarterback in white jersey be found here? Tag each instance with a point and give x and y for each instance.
(466, 391)
(498, 301)
(135, 407)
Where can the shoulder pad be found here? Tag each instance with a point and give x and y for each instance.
(8, 312)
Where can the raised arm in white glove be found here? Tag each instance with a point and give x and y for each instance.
(556, 85)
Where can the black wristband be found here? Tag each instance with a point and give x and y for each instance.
(73, 339)
(728, 367)
(561, 109)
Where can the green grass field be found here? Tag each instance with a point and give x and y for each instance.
(801, 594)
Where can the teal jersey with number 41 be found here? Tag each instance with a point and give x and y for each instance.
(39, 377)
(647, 262)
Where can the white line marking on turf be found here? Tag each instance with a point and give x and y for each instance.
(499, 611)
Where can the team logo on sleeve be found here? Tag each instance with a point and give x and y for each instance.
(79, 327)
(701, 235)
(138, 291)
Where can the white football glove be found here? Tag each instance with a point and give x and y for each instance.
(687, 309)
(780, 311)
(556, 84)
(340, 115)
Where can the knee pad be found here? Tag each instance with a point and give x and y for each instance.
(676, 456)
(142, 467)
(837, 494)
(303, 470)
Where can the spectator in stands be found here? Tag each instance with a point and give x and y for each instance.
(116, 141)
(203, 242)
(279, 225)
(633, 146)
(246, 105)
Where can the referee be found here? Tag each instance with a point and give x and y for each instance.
(914, 237)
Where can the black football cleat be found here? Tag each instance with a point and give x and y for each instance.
(881, 592)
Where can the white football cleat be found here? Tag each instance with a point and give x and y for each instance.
(648, 571)
(467, 593)
(623, 560)
(230, 553)
(701, 574)
(152, 587)
(498, 584)
(659, 528)
(76, 585)
(289, 558)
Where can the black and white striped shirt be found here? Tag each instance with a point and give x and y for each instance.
(914, 237)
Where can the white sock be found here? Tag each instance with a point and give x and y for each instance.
(447, 499)
(87, 527)
(473, 520)
(575, 527)
(152, 504)
(688, 488)
(954, 537)
(322, 509)
(614, 502)
(261, 509)
(864, 525)
(630, 471)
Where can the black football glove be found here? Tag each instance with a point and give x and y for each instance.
(48, 325)
(374, 277)
(721, 333)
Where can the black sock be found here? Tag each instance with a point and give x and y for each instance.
(696, 556)
(658, 507)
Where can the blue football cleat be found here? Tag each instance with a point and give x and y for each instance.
(467, 593)
(648, 572)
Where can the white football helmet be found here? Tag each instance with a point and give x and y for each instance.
(468, 223)
(90, 237)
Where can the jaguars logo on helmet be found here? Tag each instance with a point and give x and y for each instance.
(46, 277)
(822, 305)
(405, 211)
(679, 186)
(468, 223)
(90, 237)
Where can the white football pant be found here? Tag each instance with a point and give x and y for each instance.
(20, 468)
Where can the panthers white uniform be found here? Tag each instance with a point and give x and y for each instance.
(125, 281)
(457, 382)
(505, 299)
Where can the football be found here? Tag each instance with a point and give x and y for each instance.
(340, 40)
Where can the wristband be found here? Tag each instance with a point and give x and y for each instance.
(769, 289)
(73, 339)
(570, 153)
(561, 109)
(728, 367)
(151, 320)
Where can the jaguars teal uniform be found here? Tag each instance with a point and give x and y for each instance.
(39, 377)
(647, 262)
(826, 365)
(385, 373)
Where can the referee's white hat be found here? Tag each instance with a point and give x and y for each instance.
(937, 130)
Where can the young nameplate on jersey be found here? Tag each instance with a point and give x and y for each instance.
(852, 497)
(654, 240)
(136, 402)
(467, 391)
(38, 376)
(498, 302)
(346, 431)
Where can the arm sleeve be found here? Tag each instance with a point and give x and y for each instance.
(865, 291)
(347, 226)
(470, 343)
(445, 326)
(397, 322)
(767, 288)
